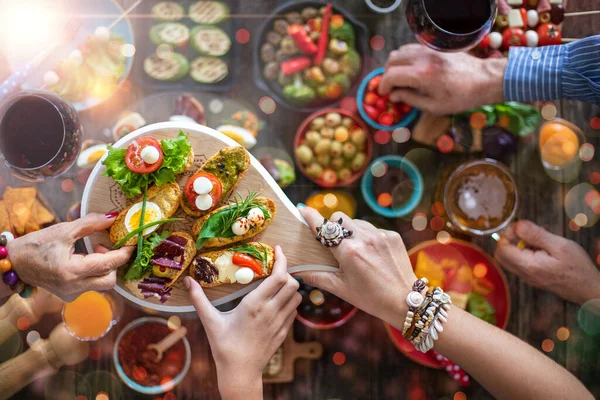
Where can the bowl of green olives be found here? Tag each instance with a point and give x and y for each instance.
(333, 147)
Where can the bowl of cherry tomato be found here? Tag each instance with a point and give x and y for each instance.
(378, 111)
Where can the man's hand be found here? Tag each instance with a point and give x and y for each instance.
(442, 83)
(555, 264)
(45, 258)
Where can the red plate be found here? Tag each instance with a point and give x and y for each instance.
(465, 253)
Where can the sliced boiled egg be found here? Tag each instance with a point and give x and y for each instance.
(244, 275)
(90, 156)
(153, 213)
(239, 134)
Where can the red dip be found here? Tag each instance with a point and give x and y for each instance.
(138, 362)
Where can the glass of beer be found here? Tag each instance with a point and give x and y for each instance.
(91, 315)
(481, 197)
(559, 142)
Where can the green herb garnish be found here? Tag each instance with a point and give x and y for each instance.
(523, 119)
(219, 224)
(139, 266)
(175, 154)
(134, 232)
(253, 251)
(478, 306)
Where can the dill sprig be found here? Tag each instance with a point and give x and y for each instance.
(253, 251)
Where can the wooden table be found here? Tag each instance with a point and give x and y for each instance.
(374, 368)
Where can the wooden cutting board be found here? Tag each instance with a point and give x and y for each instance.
(288, 229)
(292, 351)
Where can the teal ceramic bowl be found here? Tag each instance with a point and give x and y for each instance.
(393, 161)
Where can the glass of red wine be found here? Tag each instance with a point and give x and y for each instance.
(40, 134)
(450, 25)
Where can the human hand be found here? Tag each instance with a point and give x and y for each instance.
(244, 340)
(375, 272)
(555, 264)
(442, 83)
(46, 258)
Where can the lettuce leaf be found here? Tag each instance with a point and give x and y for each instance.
(523, 119)
(478, 306)
(175, 152)
(140, 265)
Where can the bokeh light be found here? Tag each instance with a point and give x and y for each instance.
(83, 175)
(267, 105)
(443, 237)
(339, 358)
(480, 270)
(67, 385)
(583, 199)
(401, 135)
(588, 317)
(316, 297)
(445, 143)
(32, 338)
(23, 323)
(438, 208)
(12, 343)
(164, 50)
(592, 200)
(216, 106)
(595, 178)
(580, 219)
(419, 222)
(595, 123)
(384, 199)
(174, 322)
(573, 226)
(459, 396)
(242, 36)
(349, 104)
(436, 224)
(548, 345)
(102, 396)
(563, 333)
(67, 185)
(586, 152)
(128, 50)
(104, 382)
(379, 169)
(382, 137)
(330, 200)
(95, 353)
(377, 42)
(549, 111)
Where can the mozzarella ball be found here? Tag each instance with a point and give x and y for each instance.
(204, 202)
(102, 33)
(495, 40)
(244, 275)
(203, 185)
(532, 18)
(240, 227)
(51, 78)
(150, 154)
(531, 38)
(256, 217)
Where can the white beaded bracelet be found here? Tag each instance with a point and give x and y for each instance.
(414, 299)
(429, 334)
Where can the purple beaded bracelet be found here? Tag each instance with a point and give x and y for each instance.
(9, 275)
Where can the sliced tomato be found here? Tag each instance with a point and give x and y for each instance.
(215, 193)
(244, 260)
(133, 157)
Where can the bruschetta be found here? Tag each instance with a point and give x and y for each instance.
(243, 264)
(214, 181)
(238, 221)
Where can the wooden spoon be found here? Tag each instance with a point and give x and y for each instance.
(165, 344)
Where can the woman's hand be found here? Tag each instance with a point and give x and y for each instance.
(442, 83)
(244, 340)
(555, 264)
(46, 258)
(375, 271)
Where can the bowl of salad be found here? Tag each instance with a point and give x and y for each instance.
(309, 54)
(378, 111)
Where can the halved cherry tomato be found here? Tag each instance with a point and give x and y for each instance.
(333, 90)
(371, 112)
(381, 104)
(371, 98)
(215, 193)
(385, 118)
(133, 157)
(244, 260)
(373, 84)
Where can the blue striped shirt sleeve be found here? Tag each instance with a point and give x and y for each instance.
(570, 71)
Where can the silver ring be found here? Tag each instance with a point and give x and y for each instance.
(331, 233)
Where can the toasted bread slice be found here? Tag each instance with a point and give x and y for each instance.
(221, 242)
(166, 197)
(188, 257)
(221, 277)
(230, 176)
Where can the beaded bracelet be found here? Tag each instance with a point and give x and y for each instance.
(430, 334)
(414, 299)
(9, 275)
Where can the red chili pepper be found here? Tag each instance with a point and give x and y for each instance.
(244, 260)
(324, 38)
(296, 65)
(303, 41)
(371, 112)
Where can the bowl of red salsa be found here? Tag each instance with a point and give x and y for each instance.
(134, 362)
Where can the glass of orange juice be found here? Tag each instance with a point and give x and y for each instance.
(558, 143)
(91, 315)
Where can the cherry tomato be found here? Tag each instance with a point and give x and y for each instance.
(405, 108)
(244, 260)
(385, 119)
(381, 104)
(371, 98)
(513, 37)
(549, 34)
(395, 113)
(336, 21)
(333, 90)
(371, 112)
(133, 157)
(314, 25)
(215, 193)
(374, 83)
(485, 42)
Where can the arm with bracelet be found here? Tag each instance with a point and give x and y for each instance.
(376, 276)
